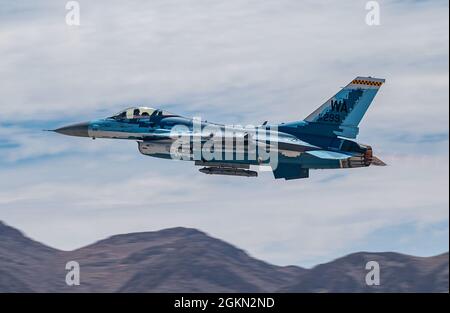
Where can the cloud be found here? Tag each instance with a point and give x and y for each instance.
(232, 62)
(259, 58)
(298, 222)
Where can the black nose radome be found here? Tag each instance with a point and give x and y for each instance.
(79, 130)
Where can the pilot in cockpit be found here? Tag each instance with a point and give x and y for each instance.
(135, 113)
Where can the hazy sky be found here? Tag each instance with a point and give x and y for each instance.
(234, 61)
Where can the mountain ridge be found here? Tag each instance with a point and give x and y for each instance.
(183, 259)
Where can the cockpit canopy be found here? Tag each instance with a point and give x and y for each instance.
(139, 112)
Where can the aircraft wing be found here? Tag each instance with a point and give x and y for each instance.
(287, 144)
(163, 135)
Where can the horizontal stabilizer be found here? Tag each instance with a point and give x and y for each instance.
(328, 155)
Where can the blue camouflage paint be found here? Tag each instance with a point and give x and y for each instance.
(314, 143)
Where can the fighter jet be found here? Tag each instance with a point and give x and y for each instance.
(290, 150)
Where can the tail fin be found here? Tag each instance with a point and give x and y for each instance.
(342, 113)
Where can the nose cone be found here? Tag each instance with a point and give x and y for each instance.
(79, 130)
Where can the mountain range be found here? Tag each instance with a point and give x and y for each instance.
(188, 260)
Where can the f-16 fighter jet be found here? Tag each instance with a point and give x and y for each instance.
(320, 141)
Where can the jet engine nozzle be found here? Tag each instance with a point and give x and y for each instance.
(368, 156)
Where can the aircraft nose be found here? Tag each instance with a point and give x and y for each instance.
(79, 130)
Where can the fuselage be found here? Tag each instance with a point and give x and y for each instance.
(156, 132)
